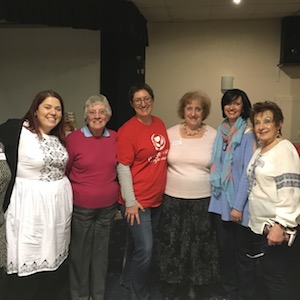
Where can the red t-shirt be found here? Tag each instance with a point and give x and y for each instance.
(144, 148)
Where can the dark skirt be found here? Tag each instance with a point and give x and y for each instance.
(186, 250)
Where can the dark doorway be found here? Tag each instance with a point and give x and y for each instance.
(122, 65)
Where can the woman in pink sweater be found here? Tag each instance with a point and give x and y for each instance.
(187, 249)
(92, 172)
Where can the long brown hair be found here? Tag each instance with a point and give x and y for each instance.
(34, 125)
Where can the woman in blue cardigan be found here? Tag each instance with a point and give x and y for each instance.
(232, 151)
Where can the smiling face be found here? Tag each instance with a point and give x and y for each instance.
(97, 118)
(233, 110)
(265, 127)
(49, 114)
(193, 114)
(143, 105)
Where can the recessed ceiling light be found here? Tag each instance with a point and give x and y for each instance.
(236, 1)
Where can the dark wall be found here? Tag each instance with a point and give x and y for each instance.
(122, 65)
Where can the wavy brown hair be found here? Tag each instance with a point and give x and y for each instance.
(188, 97)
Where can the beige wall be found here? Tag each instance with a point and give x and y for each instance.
(180, 57)
(34, 59)
(187, 56)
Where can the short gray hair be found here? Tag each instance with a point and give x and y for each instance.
(96, 99)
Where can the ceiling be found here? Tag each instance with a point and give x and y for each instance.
(204, 10)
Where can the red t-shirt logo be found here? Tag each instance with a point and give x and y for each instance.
(158, 141)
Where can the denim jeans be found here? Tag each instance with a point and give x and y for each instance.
(138, 259)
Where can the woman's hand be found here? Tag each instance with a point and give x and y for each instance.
(132, 213)
(276, 235)
(236, 215)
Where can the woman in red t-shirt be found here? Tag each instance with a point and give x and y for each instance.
(142, 166)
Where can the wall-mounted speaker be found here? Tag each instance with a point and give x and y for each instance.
(290, 40)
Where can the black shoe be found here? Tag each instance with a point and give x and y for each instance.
(187, 292)
(170, 291)
(191, 294)
(125, 287)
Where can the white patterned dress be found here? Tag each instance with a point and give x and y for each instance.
(38, 218)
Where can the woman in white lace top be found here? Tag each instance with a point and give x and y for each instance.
(274, 198)
(38, 202)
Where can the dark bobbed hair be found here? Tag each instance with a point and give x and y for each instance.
(194, 95)
(138, 87)
(233, 94)
(261, 107)
(34, 125)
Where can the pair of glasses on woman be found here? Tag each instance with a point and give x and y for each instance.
(100, 112)
(139, 101)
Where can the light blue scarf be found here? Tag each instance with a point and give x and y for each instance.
(227, 139)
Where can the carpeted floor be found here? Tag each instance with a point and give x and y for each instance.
(115, 292)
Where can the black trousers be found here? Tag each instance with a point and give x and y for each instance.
(274, 268)
(238, 271)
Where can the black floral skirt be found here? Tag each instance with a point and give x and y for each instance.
(186, 248)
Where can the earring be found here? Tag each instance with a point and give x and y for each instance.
(278, 133)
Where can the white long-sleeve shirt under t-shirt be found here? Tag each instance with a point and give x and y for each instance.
(189, 164)
(274, 183)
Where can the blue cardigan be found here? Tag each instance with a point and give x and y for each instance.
(242, 156)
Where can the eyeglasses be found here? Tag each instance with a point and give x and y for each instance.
(138, 101)
(100, 112)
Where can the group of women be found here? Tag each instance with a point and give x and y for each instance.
(221, 198)
(252, 177)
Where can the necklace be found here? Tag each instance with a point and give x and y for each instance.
(193, 132)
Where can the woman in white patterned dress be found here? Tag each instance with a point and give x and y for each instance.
(38, 202)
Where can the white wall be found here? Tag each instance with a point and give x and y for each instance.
(34, 59)
(188, 56)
